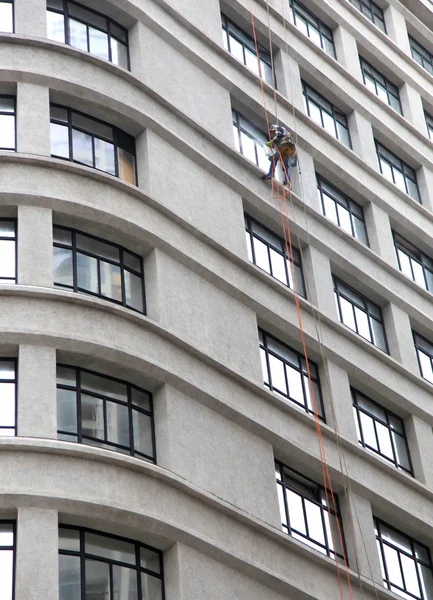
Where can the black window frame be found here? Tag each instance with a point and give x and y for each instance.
(401, 166)
(12, 549)
(429, 124)
(14, 100)
(422, 548)
(121, 140)
(79, 389)
(120, 264)
(388, 423)
(354, 210)
(13, 15)
(110, 22)
(323, 31)
(14, 220)
(371, 11)
(368, 308)
(282, 250)
(83, 555)
(426, 346)
(425, 57)
(236, 120)
(414, 254)
(13, 360)
(301, 369)
(324, 105)
(310, 490)
(390, 88)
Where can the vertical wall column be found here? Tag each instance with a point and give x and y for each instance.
(419, 437)
(35, 246)
(399, 335)
(379, 233)
(347, 51)
(425, 185)
(318, 275)
(31, 17)
(304, 180)
(396, 28)
(413, 109)
(289, 79)
(37, 410)
(337, 396)
(33, 119)
(36, 569)
(361, 133)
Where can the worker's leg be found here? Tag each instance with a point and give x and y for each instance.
(272, 165)
(286, 169)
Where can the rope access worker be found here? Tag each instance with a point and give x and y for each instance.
(283, 149)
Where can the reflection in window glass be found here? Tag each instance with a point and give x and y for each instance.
(7, 123)
(380, 85)
(6, 16)
(372, 11)
(319, 33)
(424, 350)
(422, 56)
(414, 263)
(83, 263)
(397, 171)
(325, 114)
(8, 397)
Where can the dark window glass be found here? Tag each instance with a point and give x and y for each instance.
(103, 411)
(8, 397)
(319, 33)
(422, 56)
(8, 249)
(305, 514)
(249, 141)
(92, 142)
(81, 27)
(372, 11)
(285, 373)
(242, 46)
(360, 314)
(268, 251)
(6, 17)
(7, 552)
(326, 115)
(424, 351)
(343, 211)
(429, 123)
(107, 566)
(7, 123)
(381, 431)
(397, 171)
(406, 564)
(380, 85)
(414, 263)
(84, 263)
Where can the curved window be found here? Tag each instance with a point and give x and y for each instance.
(87, 264)
(7, 123)
(98, 566)
(106, 412)
(6, 16)
(85, 29)
(88, 141)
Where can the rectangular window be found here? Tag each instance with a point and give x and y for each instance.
(422, 56)
(406, 564)
(95, 565)
(326, 115)
(268, 251)
(87, 264)
(381, 431)
(305, 514)
(285, 373)
(380, 85)
(429, 124)
(372, 11)
(343, 211)
(360, 314)
(8, 250)
(414, 263)
(91, 142)
(398, 172)
(424, 351)
(6, 17)
(8, 397)
(319, 33)
(242, 46)
(249, 141)
(81, 27)
(103, 411)
(7, 553)
(7, 123)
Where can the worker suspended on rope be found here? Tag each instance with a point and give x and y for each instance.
(282, 146)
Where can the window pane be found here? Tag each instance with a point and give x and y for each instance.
(126, 166)
(150, 560)
(426, 367)
(401, 451)
(140, 399)
(98, 42)
(97, 580)
(386, 170)
(410, 575)
(103, 386)
(97, 247)
(251, 61)
(7, 132)
(7, 258)
(67, 410)
(295, 384)
(248, 147)
(92, 126)
(111, 282)
(236, 48)
(392, 565)
(330, 208)
(347, 316)
(314, 519)
(296, 512)
(92, 416)
(261, 255)
(119, 53)
(59, 136)
(151, 587)
(328, 123)
(125, 583)
(87, 272)
(399, 180)
(277, 374)
(368, 433)
(77, 34)
(362, 323)
(378, 335)
(82, 147)
(63, 274)
(69, 539)
(345, 220)
(66, 376)
(6, 21)
(118, 424)
(69, 578)
(142, 433)
(104, 156)
(110, 548)
(56, 26)
(385, 446)
(133, 291)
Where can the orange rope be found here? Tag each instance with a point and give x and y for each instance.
(281, 196)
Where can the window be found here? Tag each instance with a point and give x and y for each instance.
(381, 431)
(268, 251)
(73, 24)
(6, 17)
(249, 141)
(285, 373)
(8, 403)
(422, 56)
(359, 314)
(429, 123)
(326, 115)
(424, 350)
(242, 46)
(372, 11)
(319, 33)
(305, 514)
(414, 263)
(83, 263)
(7, 551)
(380, 85)
(406, 564)
(92, 142)
(95, 565)
(7, 123)
(397, 171)
(343, 211)
(103, 411)
(8, 248)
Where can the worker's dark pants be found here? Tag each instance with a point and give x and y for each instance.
(286, 170)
